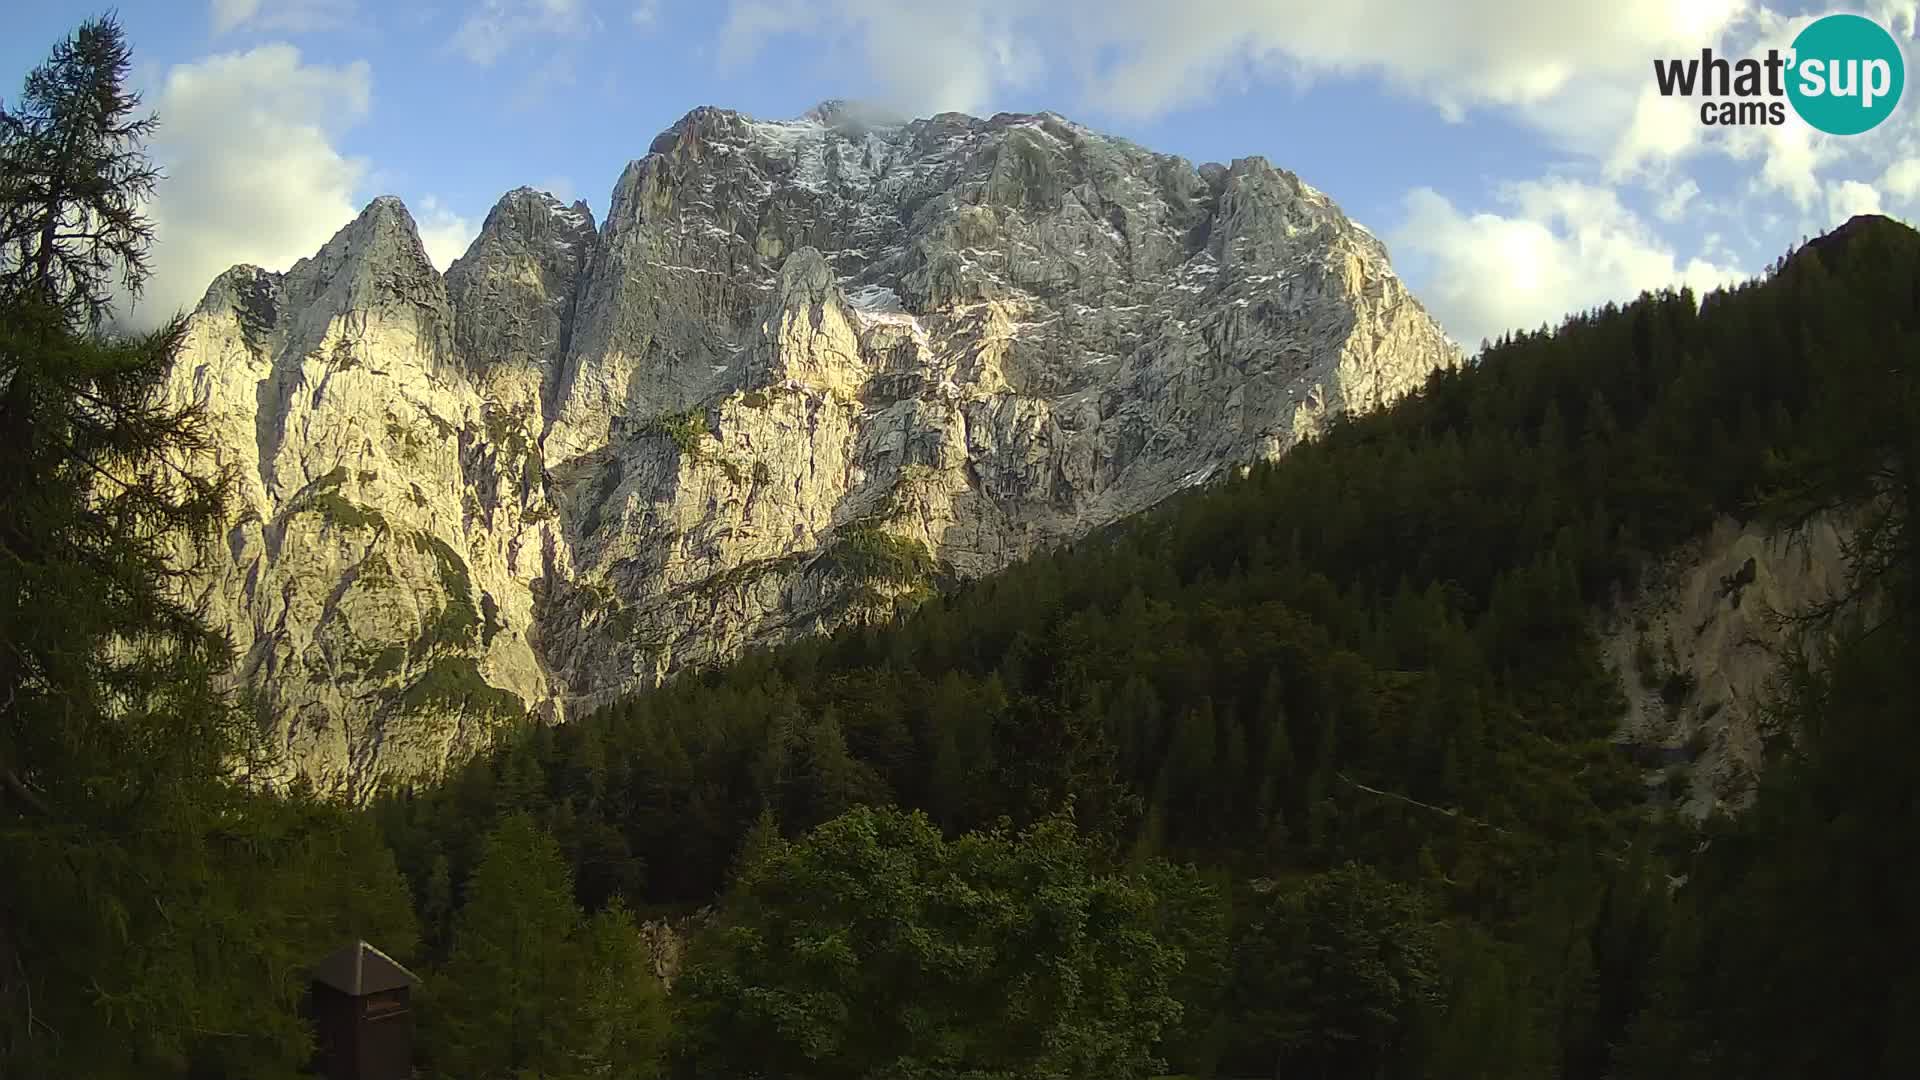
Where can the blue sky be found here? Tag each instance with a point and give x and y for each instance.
(1513, 154)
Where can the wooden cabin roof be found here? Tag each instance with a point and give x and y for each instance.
(360, 969)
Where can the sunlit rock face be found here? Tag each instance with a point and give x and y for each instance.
(800, 369)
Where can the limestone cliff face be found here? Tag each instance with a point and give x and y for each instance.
(378, 569)
(801, 368)
(1697, 647)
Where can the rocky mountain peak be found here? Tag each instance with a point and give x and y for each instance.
(587, 458)
(512, 295)
(384, 221)
(853, 117)
(247, 290)
(384, 236)
(825, 112)
(1834, 243)
(371, 281)
(705, 123)
(378, 252)
(531, 213)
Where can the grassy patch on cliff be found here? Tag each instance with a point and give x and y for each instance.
(454, 684)
(337, 510)
(455, 625)
(736, 576)
(869, 554)
(616, 620)
(507, 430)
(323, 497)
(375, 571)
(342, 358)
(686, 429)
(405, 439)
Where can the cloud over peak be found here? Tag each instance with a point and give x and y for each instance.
(247, 143)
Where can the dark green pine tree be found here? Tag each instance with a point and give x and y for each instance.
(1275, 778)
(74, 177)
(961, 761)
(1190, 779)
(435, 905)
(534, 989)
(157, 914)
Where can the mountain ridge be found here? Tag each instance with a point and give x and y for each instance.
(799, 368)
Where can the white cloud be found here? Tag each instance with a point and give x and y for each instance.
(287, 16)
(494, 27)
(1850, 197)
(1902, 179)
(1790, 156)
(559, 72)
(228, 14)
(929, 56)
(1578, 75)
(1898, 16)
(1565, 247)
(1673, 206)
(252, 171)
(1480, 52)
(445, 234)
(645, 14)
(1146, 56)
(1660, 129)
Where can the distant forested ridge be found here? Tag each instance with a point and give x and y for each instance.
(1307, 773)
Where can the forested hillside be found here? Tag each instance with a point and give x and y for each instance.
(1306, 773)
(1376, 651)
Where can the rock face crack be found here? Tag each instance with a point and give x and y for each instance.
(642, 440)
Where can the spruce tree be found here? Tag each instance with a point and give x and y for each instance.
(532, 987)
(511, 969)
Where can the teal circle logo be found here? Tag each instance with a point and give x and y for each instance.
(1847, 74)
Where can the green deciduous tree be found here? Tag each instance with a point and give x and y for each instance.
(1335, 977)
(1193, 913)
(873, 947)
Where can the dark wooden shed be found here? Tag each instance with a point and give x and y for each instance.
(363, 1015)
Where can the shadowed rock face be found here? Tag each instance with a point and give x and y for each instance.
(798, 366)
(1697, 648)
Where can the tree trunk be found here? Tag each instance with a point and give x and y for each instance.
(56, 199)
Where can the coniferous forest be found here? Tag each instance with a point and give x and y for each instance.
(1307, 773)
